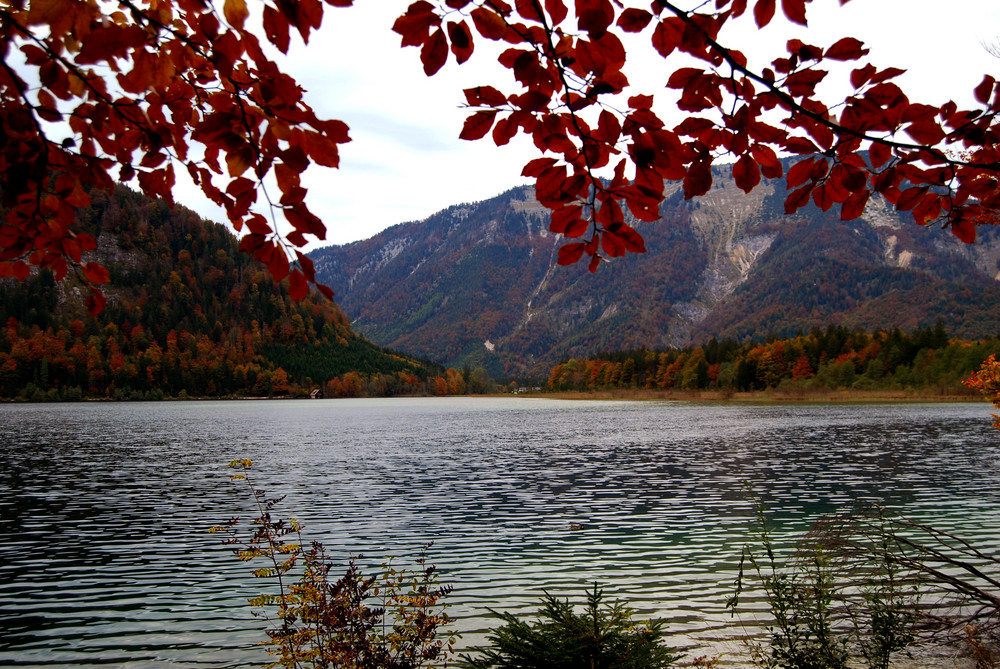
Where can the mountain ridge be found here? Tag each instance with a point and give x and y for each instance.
(478, 284)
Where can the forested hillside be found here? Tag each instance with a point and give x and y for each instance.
(187, 315)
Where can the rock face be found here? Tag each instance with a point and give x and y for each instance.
(478, 284)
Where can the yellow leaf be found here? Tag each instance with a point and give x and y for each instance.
(235, 12)
(239, 160)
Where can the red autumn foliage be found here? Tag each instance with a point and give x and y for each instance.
(142, 84)
(137, 90)
(939, 162)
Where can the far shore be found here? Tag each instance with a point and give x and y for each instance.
(760, 397)
(770, 396)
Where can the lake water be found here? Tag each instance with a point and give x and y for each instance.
(105, 557)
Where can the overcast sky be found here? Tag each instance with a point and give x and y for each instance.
(405, 161)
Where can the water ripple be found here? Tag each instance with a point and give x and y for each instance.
(105, 507)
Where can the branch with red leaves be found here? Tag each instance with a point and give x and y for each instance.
(131, 92)
(145, 87)
(938, 162)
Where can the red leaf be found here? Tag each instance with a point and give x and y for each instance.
(258, 225)
(477, 125)
(306, 266)
(251, 243)
(552, 187)
(910, 197)
(698, 180)
(823, 197)
(71, 249)
(537, 166)
(504, 131)
(416, 23)
(763, 12)
(684, 76)
(862, 75)
(277, 265)
(799, 173)
(96, 302)
(95, 273)
(964, 229)
(612, 244)
(461, 41)
(800, 145)
(926, 132)
(634, 20)
(985, 89)
(17, 269)
(854, 206)
(797, 199)
(928, 209)
(879, 154)
(486, 96)
(434, 53)
(887, 74)
(609, 128)
(86, 242)
(610, 215)
(489, 24)
(594, 16)
(667, 35)
(276, 28)
(297, 286)
(765, 156)
(886, 95)
(803, 82)
(570, 253)
(847, 48)
(633, 240)
(577, 228)
(528, 10)
(746, 173)
(325, 290)
(557, 11)
(641, 102)
(563, 217)
(795, 11)
(106, 43)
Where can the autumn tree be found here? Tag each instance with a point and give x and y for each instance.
(93, 92)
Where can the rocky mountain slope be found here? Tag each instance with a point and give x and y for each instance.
(478, 284)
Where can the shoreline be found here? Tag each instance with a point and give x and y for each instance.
(771, 396)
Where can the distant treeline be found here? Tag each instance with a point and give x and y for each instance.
(926, 360)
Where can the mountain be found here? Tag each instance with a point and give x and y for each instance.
(477, 284)
(187, 314)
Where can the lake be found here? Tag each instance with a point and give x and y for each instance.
(105, 508)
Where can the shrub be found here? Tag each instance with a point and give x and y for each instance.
(387, 621)
(837, 593)
(602, 637)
